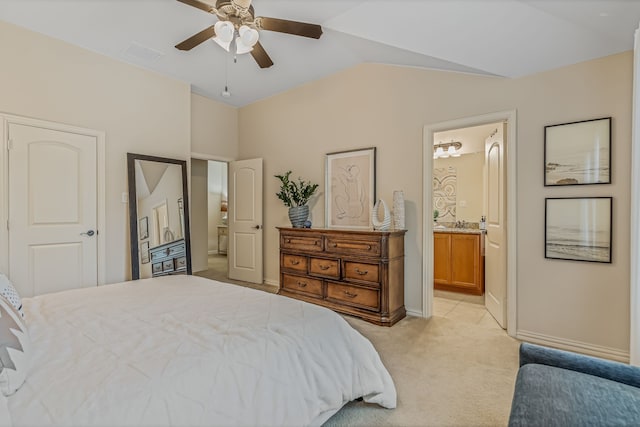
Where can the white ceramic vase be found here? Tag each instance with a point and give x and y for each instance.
(398, 210)
(385, 224)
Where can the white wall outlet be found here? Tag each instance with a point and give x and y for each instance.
(125, 197)
(463, 203)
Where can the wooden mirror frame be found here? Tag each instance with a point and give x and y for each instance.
(133, 209)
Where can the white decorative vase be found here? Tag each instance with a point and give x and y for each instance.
(385, 224)
(398, 210)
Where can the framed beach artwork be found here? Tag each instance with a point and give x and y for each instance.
(578, 153)
(143, 227)
(578, 228)
(350, 182)
(144, 252)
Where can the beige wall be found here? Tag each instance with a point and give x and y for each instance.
(214, 128)
(387, 107)
(199, 213)
(470, 184)
(140, 111)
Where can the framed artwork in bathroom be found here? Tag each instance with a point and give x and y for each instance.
(350, 188)
(578, 153)
(578, 228)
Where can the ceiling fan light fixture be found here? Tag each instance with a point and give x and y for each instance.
(224, 33)
(248, 36)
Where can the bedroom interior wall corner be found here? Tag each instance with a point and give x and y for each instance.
(139, 111)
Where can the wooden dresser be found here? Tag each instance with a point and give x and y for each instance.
(168, 258)
(360, 273)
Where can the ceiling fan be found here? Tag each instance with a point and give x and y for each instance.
(237, 29)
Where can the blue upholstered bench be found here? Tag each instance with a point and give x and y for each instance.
(560, 388)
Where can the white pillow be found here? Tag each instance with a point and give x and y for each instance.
(8, 291)
(15, 349)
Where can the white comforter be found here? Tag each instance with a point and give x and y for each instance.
(186, 351)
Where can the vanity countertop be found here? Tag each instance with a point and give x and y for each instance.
(458, 230)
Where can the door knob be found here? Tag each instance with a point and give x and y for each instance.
(257, 227)
(88, 233)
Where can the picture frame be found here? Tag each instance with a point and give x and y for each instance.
(578, 153)
(143, 227)
(350, 188)
(579, 228)
(144, 252)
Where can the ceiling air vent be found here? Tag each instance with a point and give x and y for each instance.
(136, 50)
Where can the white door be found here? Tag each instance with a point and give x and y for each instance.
(52, 210)
(245, 220)
(496, 237)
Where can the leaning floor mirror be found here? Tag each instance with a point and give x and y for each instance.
(158, 216)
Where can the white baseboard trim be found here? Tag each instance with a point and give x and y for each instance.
(575, 346)
(270, 282)
(414, 313)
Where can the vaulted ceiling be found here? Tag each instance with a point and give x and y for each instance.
(505, 38)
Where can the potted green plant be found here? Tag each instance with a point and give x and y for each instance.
(295, 195)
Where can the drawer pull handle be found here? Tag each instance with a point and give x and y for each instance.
(350, 295)
(369, 247)
(324, 267)
(288, 240)
(302, 284)
(360, 272)
(295, 262)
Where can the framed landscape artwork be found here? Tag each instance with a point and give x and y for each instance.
(578, 228)
(144, 252)
(350, 188)
(578, 153)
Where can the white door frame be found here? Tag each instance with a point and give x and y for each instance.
(634, 252)
(427, 208)
(5, 120)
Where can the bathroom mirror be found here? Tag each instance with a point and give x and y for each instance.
(158, 216)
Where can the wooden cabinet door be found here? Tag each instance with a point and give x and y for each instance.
(465, 256)
(442, 258)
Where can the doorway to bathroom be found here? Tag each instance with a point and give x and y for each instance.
(469, 219)
(460, 197)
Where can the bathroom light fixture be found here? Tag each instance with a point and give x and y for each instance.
(444, 150)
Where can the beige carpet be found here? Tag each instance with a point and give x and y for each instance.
(456, 369)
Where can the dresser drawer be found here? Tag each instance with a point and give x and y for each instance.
(294, 262)
(324, 267)
(160, 252)
(362, 271)
(302, 243)
(303, 285)
(353, 295)
(360, 246)
(181, 263)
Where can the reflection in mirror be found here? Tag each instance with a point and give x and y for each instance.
(158, 216)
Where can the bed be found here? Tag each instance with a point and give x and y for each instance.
(184, 350)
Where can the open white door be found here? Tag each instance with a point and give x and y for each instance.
(496, 237)
(52, 210)
(245, 220)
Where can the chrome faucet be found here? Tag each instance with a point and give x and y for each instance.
(461, 224)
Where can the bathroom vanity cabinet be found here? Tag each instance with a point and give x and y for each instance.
(458, 262)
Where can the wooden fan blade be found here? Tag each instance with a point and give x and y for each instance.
(261, 56)
(195, 40)
(291, 27)
(200, 5)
